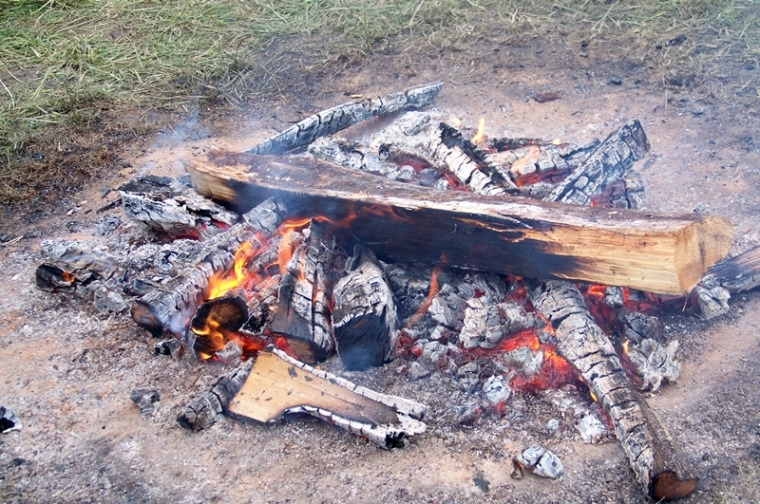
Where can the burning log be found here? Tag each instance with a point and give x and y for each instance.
(657, 253)
(342, 116)
(609, 163)
(303, 315)
(364, 317)
(278, 384)
(737, 274)
(170, 307)
(655, 460)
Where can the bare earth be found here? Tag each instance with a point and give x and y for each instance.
(67, 370)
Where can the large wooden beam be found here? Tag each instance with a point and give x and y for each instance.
(656, 253)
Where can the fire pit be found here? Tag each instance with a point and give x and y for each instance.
(459, 262)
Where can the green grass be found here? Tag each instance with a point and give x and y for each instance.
(63, 61)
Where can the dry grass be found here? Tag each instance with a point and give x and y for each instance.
(65, 61)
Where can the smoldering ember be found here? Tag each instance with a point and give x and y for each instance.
(510, 267)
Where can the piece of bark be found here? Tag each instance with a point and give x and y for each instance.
(278, 385)
(737, 274)
(170, 307)
(205, 410)
(657, 463)
(303, 314)
(364, 317)
(342, 116)
(610, 162)
(656, 253)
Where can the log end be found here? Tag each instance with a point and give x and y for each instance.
(702, 245)
(667, 486)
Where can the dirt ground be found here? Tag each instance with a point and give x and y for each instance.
(66, 370)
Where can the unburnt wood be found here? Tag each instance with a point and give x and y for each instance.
(278, 385)
(657, 253)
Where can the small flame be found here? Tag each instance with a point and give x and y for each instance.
(456, 122)
(593, 396)
(480, 136)
(556, 141)
(625, 347)
(221, 283)
(432, 291)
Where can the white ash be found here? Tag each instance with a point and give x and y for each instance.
(613, 297)
(654, 363)
(539, 461)
(713, 299)
(418, 370)
(496, 390)
(638, 326)
(524, 360)
(592, 430)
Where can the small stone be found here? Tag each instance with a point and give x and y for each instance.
(701, 209)
(615, 80)
(700, 111)
(496, 390)
(540, 461)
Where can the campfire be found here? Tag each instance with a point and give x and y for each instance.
(510, 264)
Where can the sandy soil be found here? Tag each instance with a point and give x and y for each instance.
(67, 370)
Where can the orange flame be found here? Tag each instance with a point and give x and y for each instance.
(221, 282)
(480, 136)
(432, 291)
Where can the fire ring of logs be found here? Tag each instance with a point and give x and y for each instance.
(520, 236)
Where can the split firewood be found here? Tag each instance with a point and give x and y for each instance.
(364, 317)
(170, 307)
(303, 313)
(653, 456)
(205, 410)
(610, 162)
(278, 385)
(168, 205)
(656, 253)
(353, 155)
(342, 116)
(737, 274)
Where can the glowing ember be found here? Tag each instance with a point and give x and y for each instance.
(432, 291)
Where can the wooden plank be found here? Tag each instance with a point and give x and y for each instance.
(657, 253)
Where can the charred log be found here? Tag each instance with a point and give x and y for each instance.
(205, 410)
(513, 236)
(168, 205)
(170, 307)
(342, 116)
(737, 274)
(302, 314)
(610, 162)
(364, 317)
(655, 460)
(278, 385)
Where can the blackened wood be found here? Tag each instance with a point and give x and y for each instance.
(364, 316)
(649, 447)
(170, 307)
(50, 277)
(205, 410)
(278, 385)
(610, 162)
(737, 274)
(229, 312)
(342, 116)
(656, 253)
(353, 155)
(449, 151)
(303, 315)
